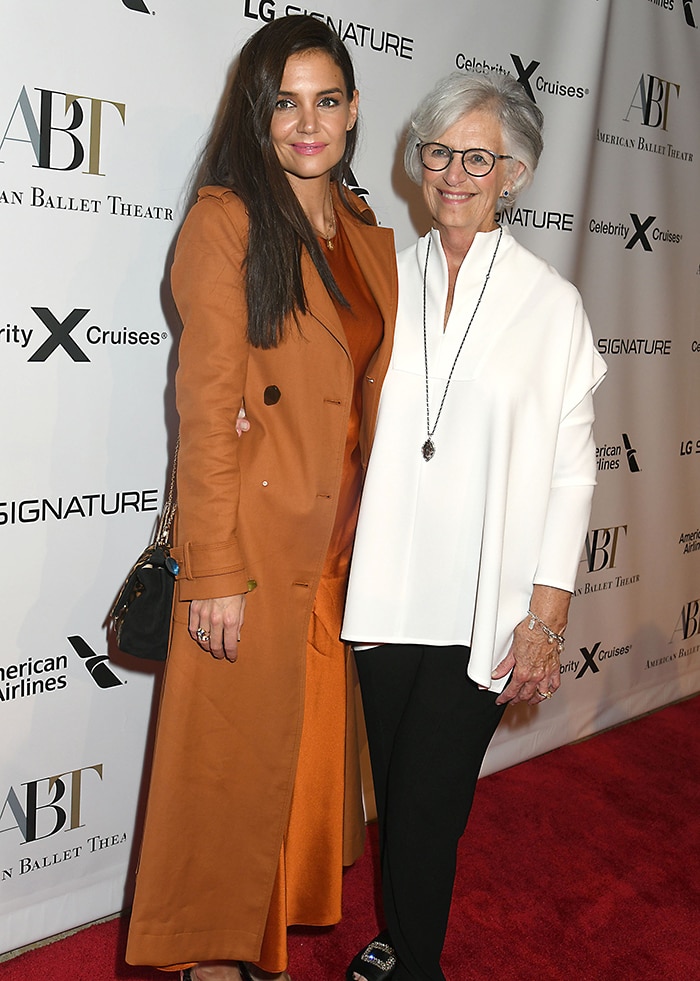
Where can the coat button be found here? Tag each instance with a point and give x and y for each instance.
(272, 395)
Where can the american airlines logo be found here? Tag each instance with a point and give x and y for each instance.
(97, 665)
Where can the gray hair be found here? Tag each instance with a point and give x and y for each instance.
(498, 94)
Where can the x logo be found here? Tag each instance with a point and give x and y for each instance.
(589, 662)
(524, 74)
(137, 5)
(640, 232)
(688, 11)
(60, 335)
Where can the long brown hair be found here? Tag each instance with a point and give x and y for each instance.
(240, 155)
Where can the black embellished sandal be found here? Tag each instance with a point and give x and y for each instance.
(376, 962)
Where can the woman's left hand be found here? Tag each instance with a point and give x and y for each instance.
(215, 624)
(533, 660)
(242, 422)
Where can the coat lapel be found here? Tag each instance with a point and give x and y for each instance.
(319, 304)
(374, 250)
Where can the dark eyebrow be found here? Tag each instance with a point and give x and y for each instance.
(334, 91)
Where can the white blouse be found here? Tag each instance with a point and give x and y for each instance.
(447, 551)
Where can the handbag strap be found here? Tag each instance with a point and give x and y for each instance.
(170, 504)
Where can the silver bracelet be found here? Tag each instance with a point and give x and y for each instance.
(551, 635)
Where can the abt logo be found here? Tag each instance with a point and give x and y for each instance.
(65, 143)
(651, 99)
(48, 805)
(688, 623)
(600, 551)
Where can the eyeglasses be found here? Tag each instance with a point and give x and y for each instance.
(477, 162)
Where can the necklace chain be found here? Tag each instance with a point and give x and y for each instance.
(327, 237)
(428, 448)
(331, 235)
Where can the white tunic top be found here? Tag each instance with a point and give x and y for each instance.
(447, 551)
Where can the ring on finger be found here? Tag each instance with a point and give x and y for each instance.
(202, 635)
(544, 694)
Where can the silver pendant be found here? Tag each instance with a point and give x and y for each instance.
(428, 449)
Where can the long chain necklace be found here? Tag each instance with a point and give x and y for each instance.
(428, 447)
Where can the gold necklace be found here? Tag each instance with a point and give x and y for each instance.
(329, 238)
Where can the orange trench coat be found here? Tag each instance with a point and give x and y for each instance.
(257, 508)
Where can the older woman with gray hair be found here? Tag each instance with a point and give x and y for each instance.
(475, 506)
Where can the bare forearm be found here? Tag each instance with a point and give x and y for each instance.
(551, 605)
(533, 660)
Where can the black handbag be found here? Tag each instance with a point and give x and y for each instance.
(142, 611)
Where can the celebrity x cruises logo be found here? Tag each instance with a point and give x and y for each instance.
(534, 81)
(138, 5)
(599, 654)
(644, 230)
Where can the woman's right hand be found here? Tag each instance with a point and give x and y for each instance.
(215, 624)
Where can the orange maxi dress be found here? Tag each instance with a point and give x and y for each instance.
(309, 876)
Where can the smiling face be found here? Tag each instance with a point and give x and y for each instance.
(312, 117)
(458, 201)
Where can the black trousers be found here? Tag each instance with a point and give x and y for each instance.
(428, 727)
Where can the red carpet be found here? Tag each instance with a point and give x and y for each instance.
(583, 864)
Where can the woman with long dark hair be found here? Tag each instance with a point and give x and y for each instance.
(287, 292)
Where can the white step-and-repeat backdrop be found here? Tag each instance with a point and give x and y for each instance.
(103, 108)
